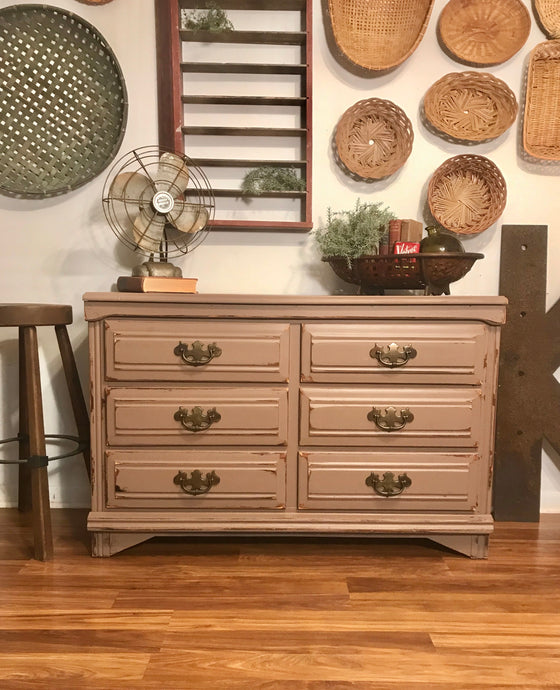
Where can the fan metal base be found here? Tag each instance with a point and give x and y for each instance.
(162, 269)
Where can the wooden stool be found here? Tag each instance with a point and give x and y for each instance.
(33, 492)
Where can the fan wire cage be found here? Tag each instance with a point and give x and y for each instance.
(158, 202)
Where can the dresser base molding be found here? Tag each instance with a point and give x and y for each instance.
(467, 534)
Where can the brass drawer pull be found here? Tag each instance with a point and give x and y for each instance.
(388, 486)
(197, 355)
(392, 355)
(196, 420)
(390, 420)
(196, 484)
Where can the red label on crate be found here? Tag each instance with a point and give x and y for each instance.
(406, 247)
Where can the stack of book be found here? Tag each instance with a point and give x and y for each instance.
(403, 237)
(156, 284)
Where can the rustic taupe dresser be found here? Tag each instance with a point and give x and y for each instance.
(237, 414)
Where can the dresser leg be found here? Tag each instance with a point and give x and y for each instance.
(109, 543)
(472, 545)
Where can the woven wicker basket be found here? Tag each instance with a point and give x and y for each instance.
(373, 138)
(541, 124)
(66, 102)
(484, 32)
(466, 194)
(470, 106)
(379, 34)
(548, 12)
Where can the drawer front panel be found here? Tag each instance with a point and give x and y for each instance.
(442, 352)
(163, 350)
(225, 416)
(227, 479)
(438, 481)
(442, 416)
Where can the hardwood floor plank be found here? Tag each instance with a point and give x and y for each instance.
(376, 665)
(79, 619)
(49, 668)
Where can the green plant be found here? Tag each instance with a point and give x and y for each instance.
(270, 179)
(213, 18)
(354, 233)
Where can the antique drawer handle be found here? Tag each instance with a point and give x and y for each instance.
(196, 420)
(388, 486)
(392, 355)
(390, 420)
(196, 484)
(197, 355)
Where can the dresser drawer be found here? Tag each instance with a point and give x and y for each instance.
(361, 481)
(196, 416)
(189, 350)
(433, 416)
(221, 479)
(399, 352)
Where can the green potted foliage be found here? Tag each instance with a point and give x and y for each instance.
(213, 18)
(272, 179)
(354, 233)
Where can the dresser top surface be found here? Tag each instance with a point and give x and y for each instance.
(101, 305)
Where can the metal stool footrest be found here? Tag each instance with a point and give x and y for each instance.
(37, 460)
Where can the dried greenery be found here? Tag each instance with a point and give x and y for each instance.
(354, 233)
(213, 18)
(271, 179)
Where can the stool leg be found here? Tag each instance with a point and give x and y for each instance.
(75, 390)
(42, 529)
(24, 473)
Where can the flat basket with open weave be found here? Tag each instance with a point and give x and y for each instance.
(64, 97)
(548, 13)
(484, 32)
(379, 34)
(541, 123)
(466, 194)
(373, 138)
(470, 106)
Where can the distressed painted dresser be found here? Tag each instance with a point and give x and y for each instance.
(216, 414)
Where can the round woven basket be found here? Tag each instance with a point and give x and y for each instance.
(548, 13)
(470, 106)
(466, 194)
(379, 34)
(65, 101)
(373, 138)
(484, 32)
(541, 122)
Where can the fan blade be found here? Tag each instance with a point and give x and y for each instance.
(190, 217)
(130, 186)
(172, 174)
(148, 231)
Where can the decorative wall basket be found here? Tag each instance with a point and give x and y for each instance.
(548, 13)
(466, 194)
(470, 106)
(379, 34)
(64, 99)
(373, 138)
(541, 124)
(484, 32)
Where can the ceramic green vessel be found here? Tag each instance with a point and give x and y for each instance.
(439, 241)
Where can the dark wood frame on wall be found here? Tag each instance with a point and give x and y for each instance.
(171, 100)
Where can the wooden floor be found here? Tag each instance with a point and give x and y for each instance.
(279, 614)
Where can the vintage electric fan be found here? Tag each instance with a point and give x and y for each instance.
(159, 204)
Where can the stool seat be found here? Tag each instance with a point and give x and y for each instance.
(25, 314)
(33, 460)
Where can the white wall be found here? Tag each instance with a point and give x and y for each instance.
(56, 249)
